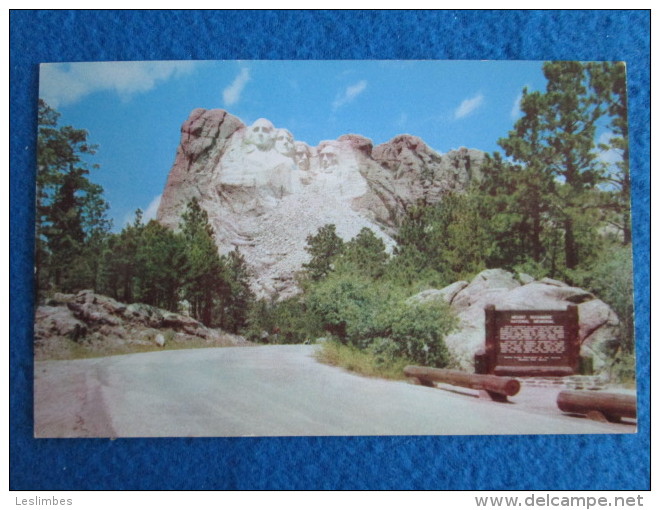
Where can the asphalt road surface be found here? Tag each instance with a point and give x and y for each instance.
(271, 391)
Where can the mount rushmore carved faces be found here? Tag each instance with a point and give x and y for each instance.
(261, 135)
(303, 156)
(328, 157)
(284, 142)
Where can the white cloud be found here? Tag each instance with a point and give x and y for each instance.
(65, 84)
(351, 92)
(515, 110)
(148, 214)
(232, 93)
(468, 106)
(152, 209)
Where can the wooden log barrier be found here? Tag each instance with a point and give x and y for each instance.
(597, 405)
(497, 388)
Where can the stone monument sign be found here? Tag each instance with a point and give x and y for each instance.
(530, 342)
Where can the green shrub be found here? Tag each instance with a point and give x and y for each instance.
(283, 322)
(419, 331)
(347, 307)
(375, 316)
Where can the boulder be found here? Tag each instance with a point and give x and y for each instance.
(524, 278)
(445, 294)
(599, 333)
(598, 324)
(159, 340)
(490, 282)
(58, 321)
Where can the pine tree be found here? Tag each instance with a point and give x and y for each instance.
(70, 209)
(555, 141)
(324, 246)
(461, 236)
(446, 239)
(237, 299)
(366, 253)
(608, 80)
(516, 199)
(160, 263)
(204, 277)
(119, 270)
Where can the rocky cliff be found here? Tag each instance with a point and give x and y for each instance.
(265, 192)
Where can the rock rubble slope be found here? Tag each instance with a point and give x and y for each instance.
(93, 324)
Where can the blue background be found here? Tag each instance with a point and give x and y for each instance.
(423, 462)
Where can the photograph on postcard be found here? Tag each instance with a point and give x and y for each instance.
(322, 248)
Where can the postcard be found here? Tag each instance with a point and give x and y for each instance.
(323, 248)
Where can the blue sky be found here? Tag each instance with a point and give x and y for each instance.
(134, 110)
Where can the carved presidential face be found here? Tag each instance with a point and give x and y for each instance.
(261, 134)
(284, 142)
(328, 158)
(302, 156)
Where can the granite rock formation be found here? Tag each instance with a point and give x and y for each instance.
(265, 192)
(598, 324)
(99, 324)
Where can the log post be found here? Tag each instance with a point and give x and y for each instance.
(481, 362)
(496, 387)
(573, 333)
(421, 382)
(490, 348)
(596, 405)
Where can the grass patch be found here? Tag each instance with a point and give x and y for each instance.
(362, 362)
(66, 349)
(81, 351)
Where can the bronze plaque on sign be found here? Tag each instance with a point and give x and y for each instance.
(532, 342)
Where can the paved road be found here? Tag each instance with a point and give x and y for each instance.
(269, 391)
